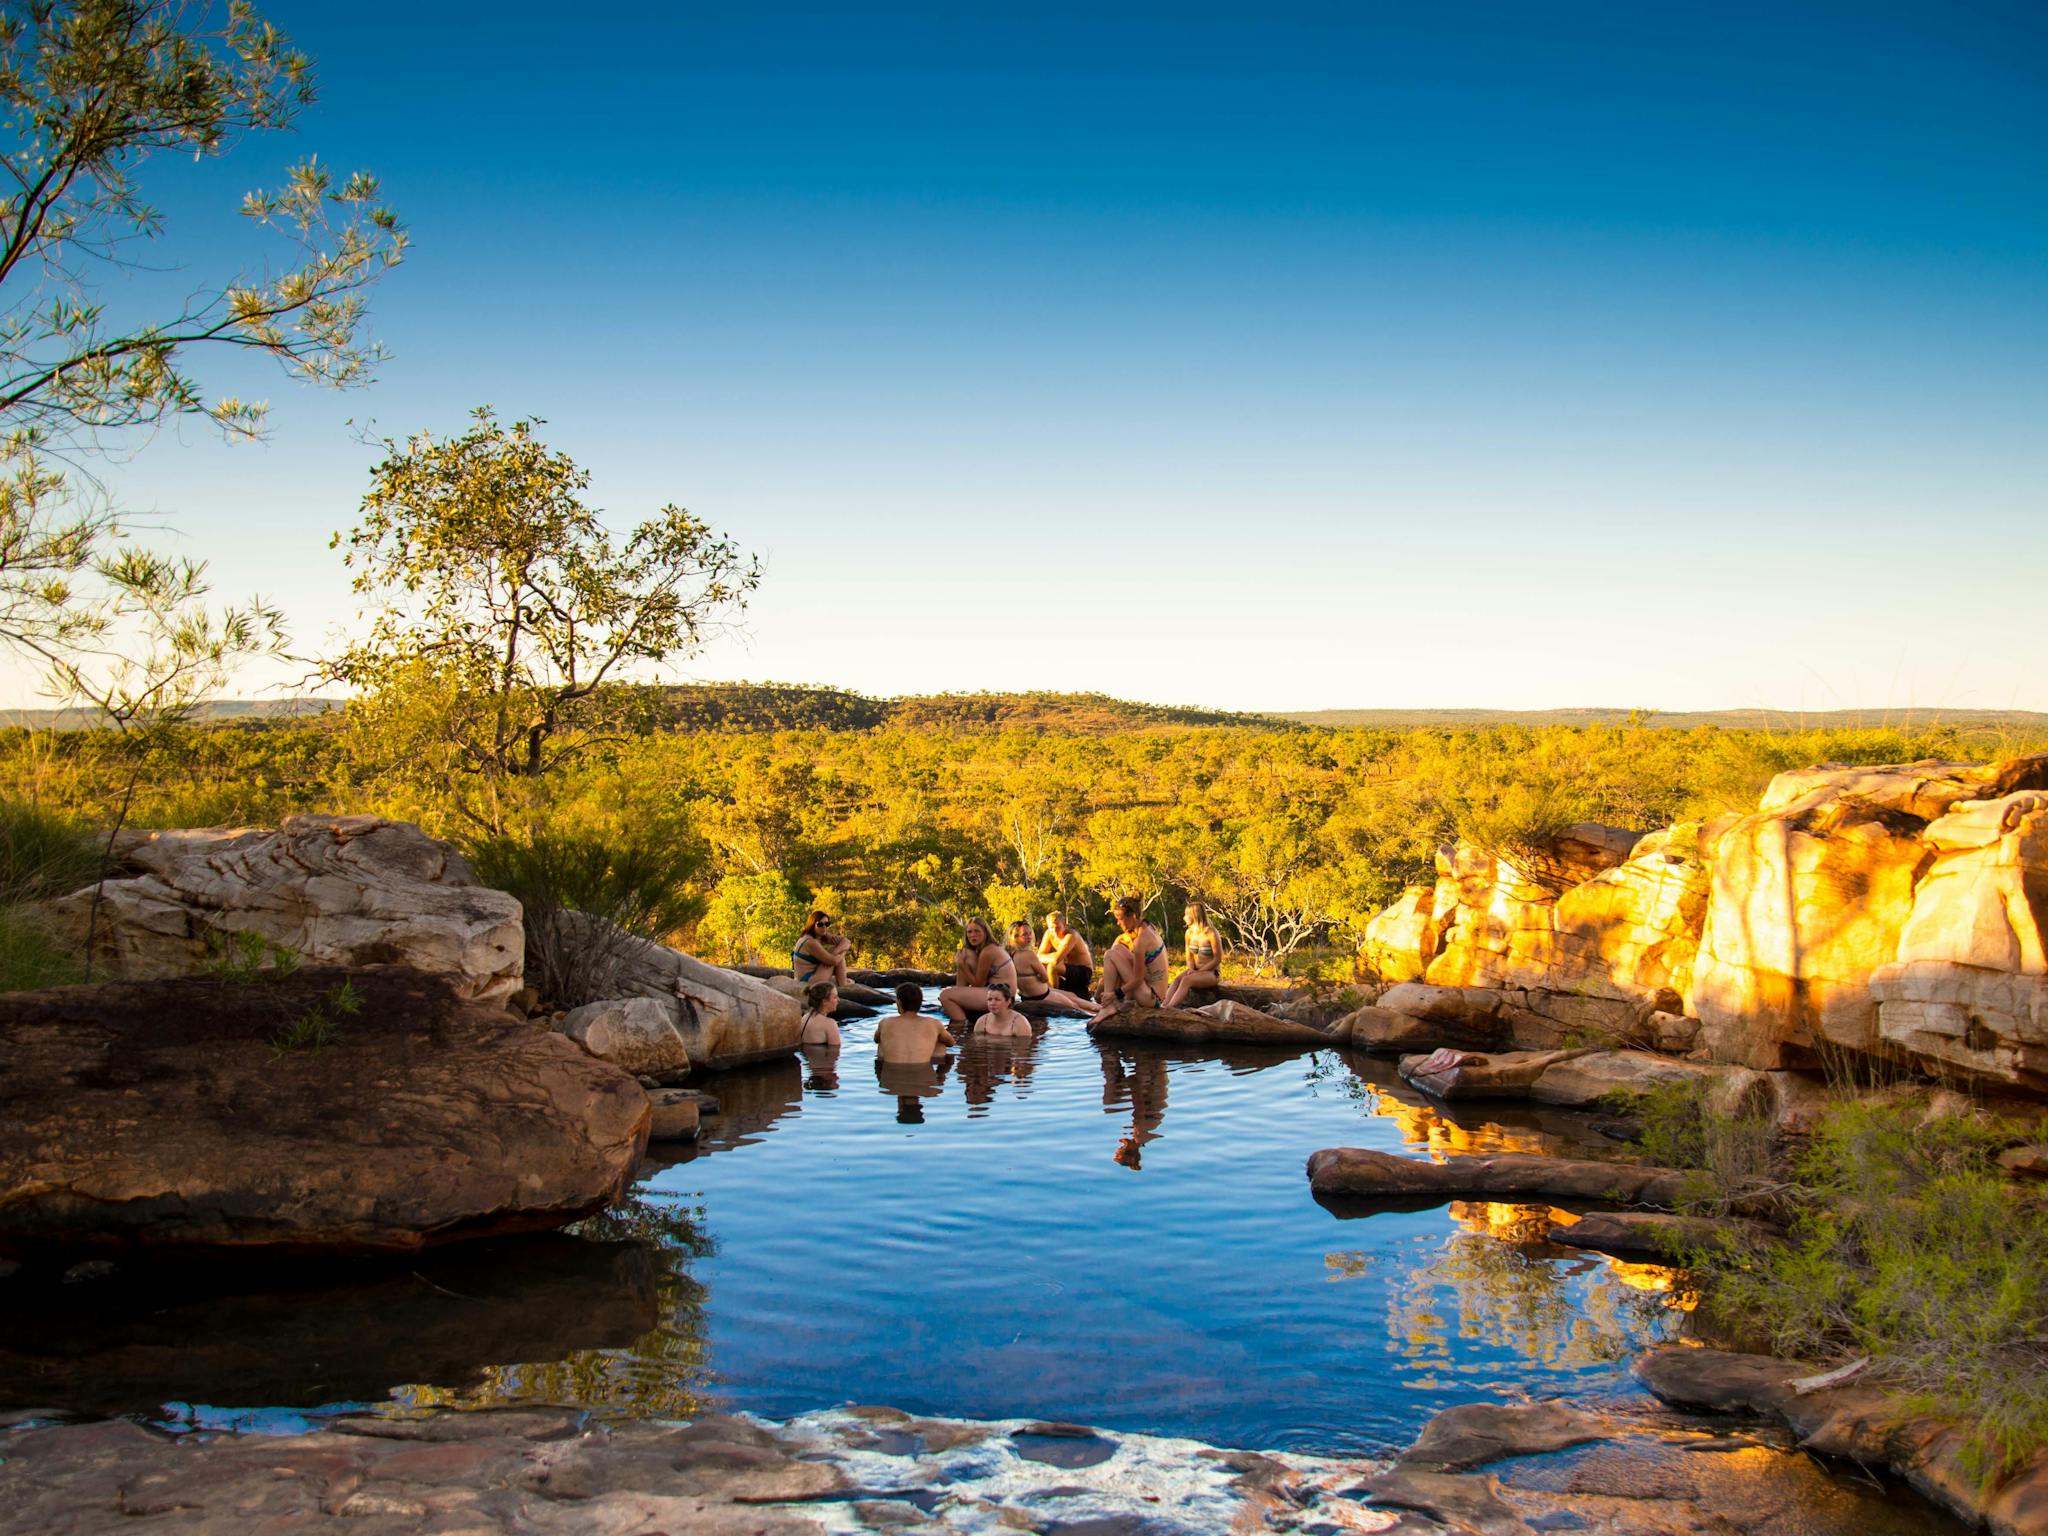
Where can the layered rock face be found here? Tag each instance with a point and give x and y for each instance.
(178, 1114)
(339, 890)
(723, 1019)
(1892, 911)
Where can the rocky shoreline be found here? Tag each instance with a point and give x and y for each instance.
(1622, 1467)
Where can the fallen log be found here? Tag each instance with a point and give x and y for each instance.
(1361, 1173)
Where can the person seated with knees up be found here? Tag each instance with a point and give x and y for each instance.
(1001, 1019)
(1069, 964)
(909, 1035)
(1134, 970)
(821, 999)
(819, 953)
(981, 963)
(1205, 957)
(1033, 986)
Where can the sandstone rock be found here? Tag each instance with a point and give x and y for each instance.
(339, 890)
(160, 1114)
(676, 1115)
(1382, 1031)
(1579, 1079)
(1473, 1434)
(725, 1019)
(1470, 1008)
(635, 1034)
(1401, 940)
(1807, 900)
(1230, 1022)
(1452, 1074)
(1656, 1236)
(1361, 1173)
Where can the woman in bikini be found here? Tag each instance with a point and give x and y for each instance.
(1205, 957)
(1134, 969)
(1032, 984)
(980, 964)
(819, 1028)
(819, 954)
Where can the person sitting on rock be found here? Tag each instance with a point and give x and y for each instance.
(909, 1035)
(1134, 970)
(1205, 957)
(819, 1028)
(819, 953)
(1069, 964)
(980, 963)
(1032, 983)
(1001, 1020)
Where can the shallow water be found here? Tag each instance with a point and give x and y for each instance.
(1122, 1237)
(1063, 1229)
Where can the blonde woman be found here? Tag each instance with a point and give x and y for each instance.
(1205, 957)
(1033, 985)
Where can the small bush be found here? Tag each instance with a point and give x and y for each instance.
(1907, 1244)
(29, 959)
(42, 854)
(313, 1030)
(245, 958)
(636, 883)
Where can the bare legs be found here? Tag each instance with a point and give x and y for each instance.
(1188, 981)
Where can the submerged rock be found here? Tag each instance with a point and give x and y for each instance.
(175, 1114)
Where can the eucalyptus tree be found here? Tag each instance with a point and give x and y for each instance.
(503, 612)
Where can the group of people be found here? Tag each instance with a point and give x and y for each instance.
(989, 978)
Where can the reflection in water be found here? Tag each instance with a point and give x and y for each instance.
(1455, 1130)
(752, 1101)
(658, 1374)
(989, 1061)
(821, 1062)
(912, 1082)
(296, 1336)
(1498, 1282)
(1140, 1084)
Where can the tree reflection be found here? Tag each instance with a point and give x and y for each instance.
(660, 1375)
(1496, 1284)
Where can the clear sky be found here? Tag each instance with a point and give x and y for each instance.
(1262, 356)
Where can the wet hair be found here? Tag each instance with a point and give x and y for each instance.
(815, 995)
(1129, 906)
(818, 920)
(1002, 987)
(909, 997)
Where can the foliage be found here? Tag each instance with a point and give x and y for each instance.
(313, 1029)
(631, 883)
(750, 917)
(503, 604)
(29, 958)
(245, 958)
(42, 854)
(1908, 1245)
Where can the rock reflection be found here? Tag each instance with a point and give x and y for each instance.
(1453, 1130)
(298, 1337)
(752, 1102)
(1497, 1283)
(821, 1065)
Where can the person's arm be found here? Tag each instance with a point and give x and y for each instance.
(944, 1037)
(985, 964)
(962, 970)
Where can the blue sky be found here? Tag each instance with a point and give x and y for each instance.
(1266, 357)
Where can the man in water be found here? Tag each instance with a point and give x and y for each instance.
(1001, 1020)
(981, 963)
(908, 1035)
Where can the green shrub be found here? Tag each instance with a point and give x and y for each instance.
(29, 958)
(313, 1030)
(634, 883)
(43, 854)
(1908, 1245)
(753, 916)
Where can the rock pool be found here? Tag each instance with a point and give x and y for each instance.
(1104, 1233)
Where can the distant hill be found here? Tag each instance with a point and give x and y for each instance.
(1680, 719)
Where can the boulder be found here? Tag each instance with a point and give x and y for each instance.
(1225, 1021)
(635, 1034)
(725, 1019)
(1384, 1032)
(338, 890)
(172, 1114)
(1401, 940)
(1581, 1079)
(1361, 1173)
(1656, 1236)
(1968, 992)
(1474, 1009)
(1808, 899)
(1452, 1074)
(676, 1114)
